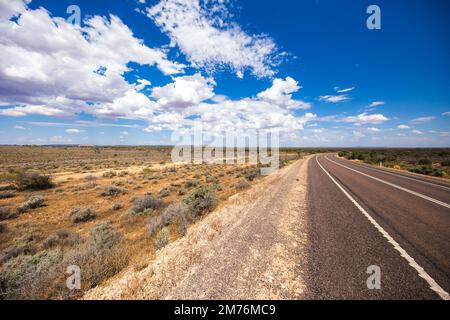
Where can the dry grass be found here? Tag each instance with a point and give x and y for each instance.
(131, 192)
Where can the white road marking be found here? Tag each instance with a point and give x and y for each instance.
(395, 186)
(421, 271)
(409, 178)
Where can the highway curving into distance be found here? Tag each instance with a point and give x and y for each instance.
(361, 216)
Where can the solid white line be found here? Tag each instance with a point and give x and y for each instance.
(421, 271)
(395, 186)
(405, 177)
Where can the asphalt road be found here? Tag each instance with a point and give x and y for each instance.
(360, 216)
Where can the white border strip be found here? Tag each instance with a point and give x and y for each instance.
(395, 186)
(421, 271)
(403, 176)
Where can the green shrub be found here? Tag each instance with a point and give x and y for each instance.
(200, 201)
(113, 191)
(146, 202)
(242, 184)
(252, 174)
(162, 238)
(172, 212)
(424, 162)
(79, 215)
(33, 202)
(6, 213)
(33, 181)
(104, 236)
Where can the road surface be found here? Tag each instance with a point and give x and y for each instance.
(360, 216)
(309, 231)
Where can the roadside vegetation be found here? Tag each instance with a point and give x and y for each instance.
(432, 162)
(102, 209)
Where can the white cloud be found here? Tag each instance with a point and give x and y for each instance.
(344, 90)
(373, 129)
(281, 94)
(423, 120)
(143, 83)
(50, 67)
(403, 126)
(19, 127)
(446, 113)
(194, 101)
(417, 131)
(365, 118)
(125, 133)
(376, 104)
(205, 34)
(334, 98)
(184, 92)
(76, 131)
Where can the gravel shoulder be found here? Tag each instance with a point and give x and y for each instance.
(253, 247)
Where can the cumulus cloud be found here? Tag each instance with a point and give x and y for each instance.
(373, 129)
(403, 126)
(417, 131)
(191, 99)
(204, 33)
(446, 113)
(184, 92)
(281, 94)
(50, 67)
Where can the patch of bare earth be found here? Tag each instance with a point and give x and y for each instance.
(253, 247)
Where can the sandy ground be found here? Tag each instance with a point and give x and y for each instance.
(253, 247)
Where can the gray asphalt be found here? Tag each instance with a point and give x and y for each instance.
(344, 243)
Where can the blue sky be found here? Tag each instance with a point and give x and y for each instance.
(135, 71)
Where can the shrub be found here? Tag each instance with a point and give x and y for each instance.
(200, 201)
(191, 183)
(26, 244)
(79, 215)
(112, 191)
(172, 211)
(33, 181)
(6, 195)
(6, 213)
(164, 192)
(33, 202)
(51, 241)
(242, 184)
(2, 227)
(154, 224)
(252, 174)
(117, 206)
(109, 174)
(146, 202)
(162, 238)
(104, 236)
(445, 163)
(424, 162)
(90, 177)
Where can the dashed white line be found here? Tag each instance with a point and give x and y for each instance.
(394, 185)
(421, 271)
